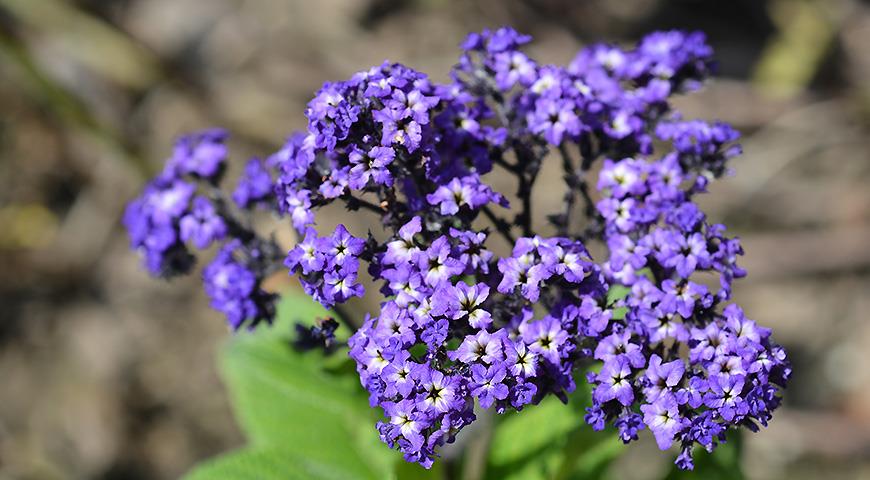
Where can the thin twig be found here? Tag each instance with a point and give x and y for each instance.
(571, 182)
(501, 224)
(344, 317)
(527, 172)
(355, 203)
(504, 164)
(236, 227)
(594, 224)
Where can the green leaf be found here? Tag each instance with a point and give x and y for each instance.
(589, 453)
(552, 441)
(276, 463)
(525, 433)
(540, 467)
(301, 406)
(616, 293)
(296, 308)
(253, 464)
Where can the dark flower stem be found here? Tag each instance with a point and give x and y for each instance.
(355, 203)
(343, 316)
(575, 180)
(528, 166)
(501, 225)
(571, 181)
(236, 227)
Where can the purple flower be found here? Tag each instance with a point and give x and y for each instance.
(435, 333)
(341, 284)
(663, 419)
(234, 290)
(505, 38)
(404, 247)
(414, 104)
(521, 272)
(471, 250)
(545, 338)
(202, 225)
(397, 376)
(572, 265)
(693, 393)
(397, 129)
(438, 391)
(622, 124)
(306, 255)
(687, 253)
(482, 347)
(298, 205)
(522, 394)
(662, 377)
(555, 120)
(620, 345)
(406, 283)
(371, 166)
(684, 297)
(688, 218)
(619, 213)
(335, 185)
(662, 325)
(452, 196)
(466, 191)
(629, 424)
(626, 251)
(512, 68)
(725, 396)
(202, 154)
(684, 459)
(152, 222)
(407, 421)
(623, 178)
(488, 384)
(595, 417)
(615, 382)
(700, 144)
(167, 201)
(255, 185)
(437, 264)
(293, 159)
(341, 246)
(466, 302)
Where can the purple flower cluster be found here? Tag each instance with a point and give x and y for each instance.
(256, 185)
(328, 266)
(454, 330)
(233, 287)
(609, 92)
(458, 325)
(182, 206)
(153, 222)
(660, 244)
(698, 144)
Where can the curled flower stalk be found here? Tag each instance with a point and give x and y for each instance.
(660, 343)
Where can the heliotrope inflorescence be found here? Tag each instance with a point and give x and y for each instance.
(650, 325)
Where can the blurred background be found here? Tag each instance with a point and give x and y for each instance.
(107, 374)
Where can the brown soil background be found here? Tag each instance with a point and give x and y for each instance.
(107, 374)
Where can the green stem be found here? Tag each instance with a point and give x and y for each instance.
(474, 467)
